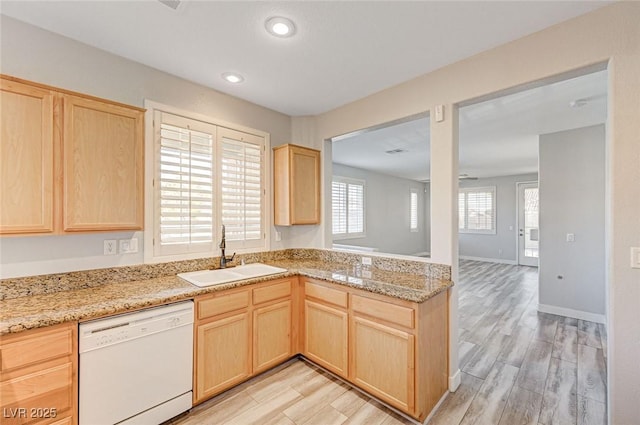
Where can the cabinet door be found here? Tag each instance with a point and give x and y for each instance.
(382, 362)
(305, 186)
(103, 166)
(325, 336)
(271, 335)
(223, 354)
(26, 155)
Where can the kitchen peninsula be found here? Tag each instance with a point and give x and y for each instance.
(382, 328)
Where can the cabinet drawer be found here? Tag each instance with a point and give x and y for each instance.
(272, 292)
(332, 296)
(392, 313)
(24, 351)
(223, 303)
(44, 383)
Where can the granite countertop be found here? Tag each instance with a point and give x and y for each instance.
(28, 312)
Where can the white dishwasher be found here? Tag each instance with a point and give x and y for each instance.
(136, 368)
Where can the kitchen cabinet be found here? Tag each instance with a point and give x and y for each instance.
(296, 189)
(326, 327)
(394, 349)
(272, 325)
(382, 355)
(103, 166)
(38, 376)
(240, 333)
(71, 163)
(27, 158)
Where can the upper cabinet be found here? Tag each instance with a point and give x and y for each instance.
(103, 178)
(68, 162)
(26, 158)
(296, 191)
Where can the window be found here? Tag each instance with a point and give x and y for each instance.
(347, 204)
(413, 211)
(206, 176)
(477, 210)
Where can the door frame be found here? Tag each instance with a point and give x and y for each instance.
(517, 229)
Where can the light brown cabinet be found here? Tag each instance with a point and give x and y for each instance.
(297, 183)
(26, 158)
(240, 333)
(70, 162)
(383, 361)
(38, 376)
(395, 350)
(103, 166)
(326, 327)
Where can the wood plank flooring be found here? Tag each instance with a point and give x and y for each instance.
(518, 367)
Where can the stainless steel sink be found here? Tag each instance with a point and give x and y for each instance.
(205, 278)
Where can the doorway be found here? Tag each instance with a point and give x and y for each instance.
(528, 224)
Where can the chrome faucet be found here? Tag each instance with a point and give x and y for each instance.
(223, 258)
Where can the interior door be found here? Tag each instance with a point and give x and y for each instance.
(528, 231)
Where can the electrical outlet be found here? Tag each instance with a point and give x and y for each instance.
(366, 261)
(128, 246)
(110, 247)
(278, 236)
(571, 237)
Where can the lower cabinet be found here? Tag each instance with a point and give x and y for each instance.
(38, 376)
(271, 335)
(240, 333)
(325, 341)
(383, 362)
(223, 354)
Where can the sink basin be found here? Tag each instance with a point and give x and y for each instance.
(204, 278)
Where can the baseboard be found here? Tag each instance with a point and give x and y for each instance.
(421, 254)
(454, 381)
(488, 260)
(568, 312)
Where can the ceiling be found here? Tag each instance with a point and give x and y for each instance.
(342, 51)
(497, 137)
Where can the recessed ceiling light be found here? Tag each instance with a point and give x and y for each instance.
(280, 27)
(233, 77)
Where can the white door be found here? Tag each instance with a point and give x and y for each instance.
(528, 231)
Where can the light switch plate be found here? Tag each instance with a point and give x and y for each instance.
(571, 237)
(635, 257)
(128, 246)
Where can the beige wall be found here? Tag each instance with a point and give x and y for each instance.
(609, 35)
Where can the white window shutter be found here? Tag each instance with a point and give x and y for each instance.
(241, 188)
(413, 211)
(184, 185)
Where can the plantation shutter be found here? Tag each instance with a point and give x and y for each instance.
(355, 198)
(339, 207)
(184, 192)
(413, 213)
(242, 193)
(477, 210)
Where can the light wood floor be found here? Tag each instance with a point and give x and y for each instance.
(518, 367)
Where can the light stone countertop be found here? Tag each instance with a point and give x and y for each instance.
(28, 312)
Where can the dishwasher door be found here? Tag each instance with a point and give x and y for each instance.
(137, 367)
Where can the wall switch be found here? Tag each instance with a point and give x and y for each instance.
(571, 237)
(635, 257)
(110, 247)
(278, 236)
(510, 227)
(128, 246)
(366, 261)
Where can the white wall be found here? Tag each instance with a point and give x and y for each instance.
(503, 245)
(387, 201)
(34, 54)
(572, 200)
